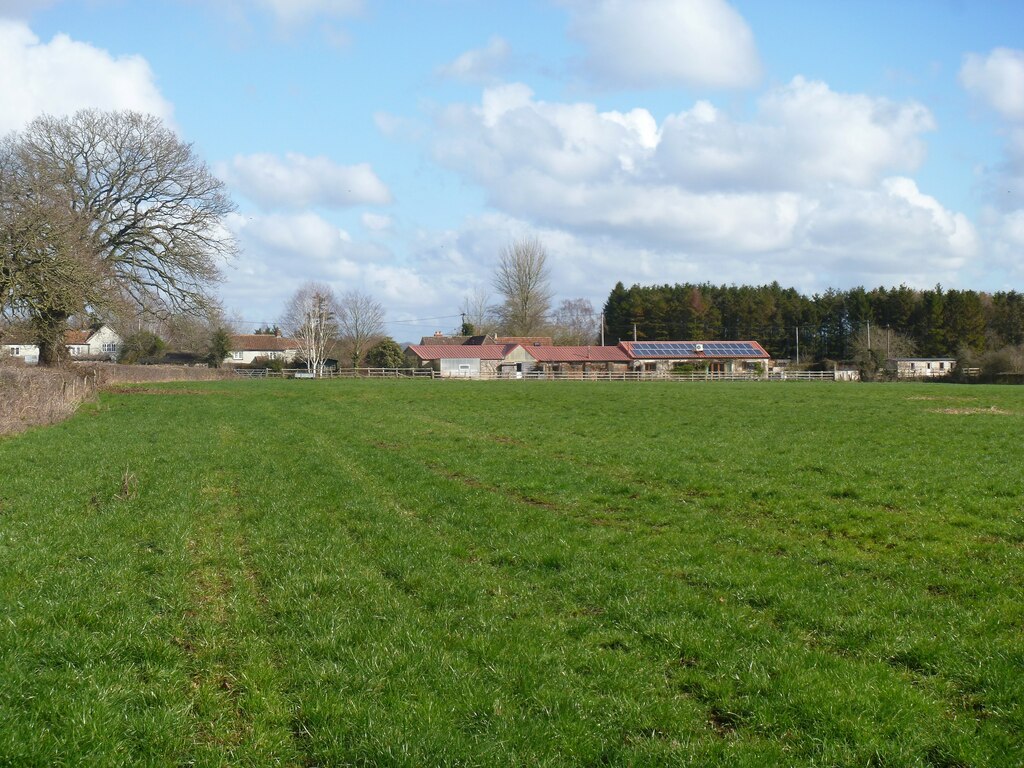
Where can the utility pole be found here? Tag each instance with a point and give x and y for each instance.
(634, 331)
(869, 335)
(602, 329)
(798, 345)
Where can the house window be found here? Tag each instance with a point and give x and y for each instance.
(929, 366)
(73, 351)
(16, 351)
(110, 347)
(272, 356)
(942, 366)
(464, 366)
(237, 355)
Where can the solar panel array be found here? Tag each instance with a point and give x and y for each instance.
(689, 349)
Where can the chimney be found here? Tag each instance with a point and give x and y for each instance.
(277, 332)
(438, 334)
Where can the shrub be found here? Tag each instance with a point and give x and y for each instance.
(141, 346)
(385, 354)
(270, 363)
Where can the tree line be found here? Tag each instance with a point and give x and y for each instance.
(833, 325)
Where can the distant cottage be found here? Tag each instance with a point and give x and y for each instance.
(99, 343)
(247, 347)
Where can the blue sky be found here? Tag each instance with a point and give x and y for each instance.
(395, 147)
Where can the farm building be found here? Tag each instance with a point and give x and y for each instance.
(578, 359)
(919, 367)
(714, 356)
(517, 359)
(470, 360)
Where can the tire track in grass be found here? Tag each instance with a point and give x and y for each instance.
(544, 707)
(239, 714)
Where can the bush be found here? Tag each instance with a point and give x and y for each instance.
(995, 365)
(141, 346)
(270, 363)
(385, 354)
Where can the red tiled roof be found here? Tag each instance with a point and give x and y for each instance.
(578, 354)
(476, 352)
(77, 337)
(261, 342)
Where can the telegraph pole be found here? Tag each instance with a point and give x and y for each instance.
(798, 345)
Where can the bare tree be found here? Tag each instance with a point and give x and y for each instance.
(522, 280)
(360, 322)
(102, 209)
(312, 319)
(575, 323)
(478, 316)
(192, 332)
(873, 346)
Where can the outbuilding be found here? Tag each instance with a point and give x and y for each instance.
(919, 367)
(469, 361)
(725, 357)
(578, 360)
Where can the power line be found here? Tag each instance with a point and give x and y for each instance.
(420, 320)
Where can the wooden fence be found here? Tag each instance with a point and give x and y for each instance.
(428, 373)
(344, 373)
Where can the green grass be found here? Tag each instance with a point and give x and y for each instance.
(516, 573)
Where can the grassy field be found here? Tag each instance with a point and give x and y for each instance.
(516, 573)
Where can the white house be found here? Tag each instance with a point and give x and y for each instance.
(103, 342)
(25, 351)
(247, 347)
(94, 343)
(920, 367)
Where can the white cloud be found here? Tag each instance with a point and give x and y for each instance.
(299, 181)
(480, 65)
(998, 80)
(814, 177)
(805, 134)
(63, 75)
(281, 251)
(645, 43)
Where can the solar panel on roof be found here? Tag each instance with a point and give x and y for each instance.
(687, 349)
